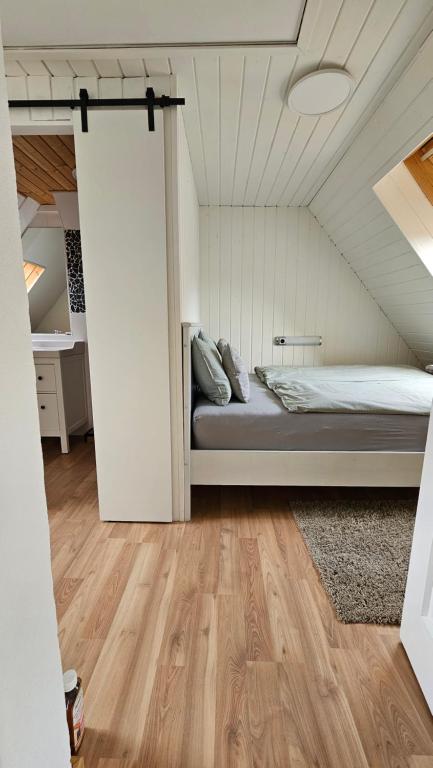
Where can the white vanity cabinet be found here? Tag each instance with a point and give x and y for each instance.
(61, 391)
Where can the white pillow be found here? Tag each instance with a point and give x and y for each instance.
(236, 370)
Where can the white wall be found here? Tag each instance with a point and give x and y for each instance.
(57, 317)
(183, 271)
(416, 631)
(46, 247)
(271, 271)
(354, 218)
(189, 249)
(33, 732)
(27, 211)
(67, 206)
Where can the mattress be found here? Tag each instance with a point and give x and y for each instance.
(263, 424)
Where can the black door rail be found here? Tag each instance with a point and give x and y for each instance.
(151, 102)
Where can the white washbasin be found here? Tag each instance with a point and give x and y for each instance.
(52, 345)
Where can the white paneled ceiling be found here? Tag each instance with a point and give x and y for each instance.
(102, 22)
(247, 148)
(363, 231)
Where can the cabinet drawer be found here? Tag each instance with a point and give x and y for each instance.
(45, 378)
(48, 415)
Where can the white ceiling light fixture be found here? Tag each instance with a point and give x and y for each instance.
(320, 92)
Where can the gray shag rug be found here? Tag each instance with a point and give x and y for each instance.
(361, 550)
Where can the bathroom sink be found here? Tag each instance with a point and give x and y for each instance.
(57, 343)
(44, 347)
(52, 345)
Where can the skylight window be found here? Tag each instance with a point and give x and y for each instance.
(407, 194)
(32, 273)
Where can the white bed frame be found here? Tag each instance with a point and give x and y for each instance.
(322, 468)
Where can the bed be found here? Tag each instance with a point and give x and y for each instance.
(262, 443)
(263, 424)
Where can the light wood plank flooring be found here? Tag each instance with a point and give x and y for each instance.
(213, 643)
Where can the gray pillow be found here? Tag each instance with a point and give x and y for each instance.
(237, 373)
(209, 373)
(207, 339)
(222, 344)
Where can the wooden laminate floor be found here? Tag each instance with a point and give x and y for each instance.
(213, 643)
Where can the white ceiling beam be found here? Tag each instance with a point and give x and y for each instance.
(67, 206)
(27, 212)
(146, 52)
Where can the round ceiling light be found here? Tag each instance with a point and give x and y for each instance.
(320, 92)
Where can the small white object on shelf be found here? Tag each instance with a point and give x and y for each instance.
(429, 368)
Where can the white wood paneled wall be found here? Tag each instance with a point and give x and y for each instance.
(270, 271)
(363, 231)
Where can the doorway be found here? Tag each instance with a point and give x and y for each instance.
(47, 196)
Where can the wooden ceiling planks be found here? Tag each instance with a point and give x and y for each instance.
(43, 165)
(420, 165)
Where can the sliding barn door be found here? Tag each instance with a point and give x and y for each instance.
(121, 193)
(417, 622)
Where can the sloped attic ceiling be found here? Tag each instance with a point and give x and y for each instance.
(246, 147)
(356, 221)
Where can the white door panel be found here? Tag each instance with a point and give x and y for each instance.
(121, 193)
(417, 622)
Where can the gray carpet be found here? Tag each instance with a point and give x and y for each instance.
(361, 550)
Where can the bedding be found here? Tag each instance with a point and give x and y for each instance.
(236, 371)
(221, 346)
(209, 372)
(210, 342)
(352, 389)
(264, 424)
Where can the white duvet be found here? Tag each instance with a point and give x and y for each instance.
(350, 388)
